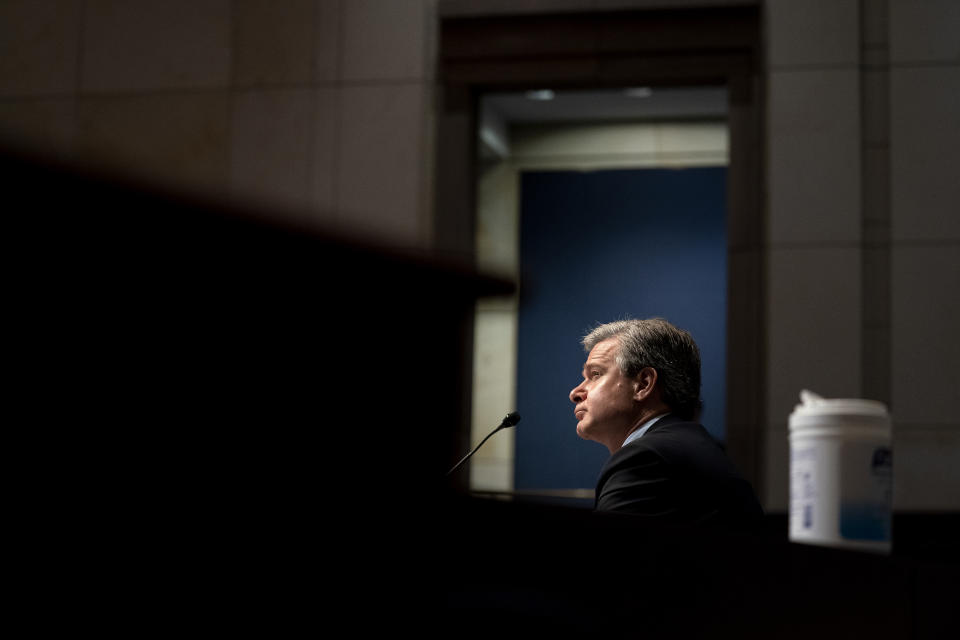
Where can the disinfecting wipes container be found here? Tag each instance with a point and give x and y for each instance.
(841, 477)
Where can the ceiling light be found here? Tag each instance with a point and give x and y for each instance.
(638, 92)
(540, 94)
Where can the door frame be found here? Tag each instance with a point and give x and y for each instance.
(607, 49)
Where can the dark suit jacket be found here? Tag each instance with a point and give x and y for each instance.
(676, 473)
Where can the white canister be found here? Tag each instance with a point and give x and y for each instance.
(841, 473)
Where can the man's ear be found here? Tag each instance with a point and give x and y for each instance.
(644, 383)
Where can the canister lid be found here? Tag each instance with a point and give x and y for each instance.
(812, 405)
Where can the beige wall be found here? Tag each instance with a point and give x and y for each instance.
(316, 108)
(325, 108)
(864, 238)
(814, 215)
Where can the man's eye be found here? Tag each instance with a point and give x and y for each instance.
(595, 374)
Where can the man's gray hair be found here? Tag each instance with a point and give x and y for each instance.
(669, 350)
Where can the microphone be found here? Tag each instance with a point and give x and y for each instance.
(510, 420)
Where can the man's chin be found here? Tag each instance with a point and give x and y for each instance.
(582, 431)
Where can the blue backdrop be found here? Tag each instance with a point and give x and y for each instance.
(600, 246)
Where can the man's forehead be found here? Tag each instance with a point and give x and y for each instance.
(604, 350)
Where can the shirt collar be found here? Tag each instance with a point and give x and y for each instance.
(642, 430)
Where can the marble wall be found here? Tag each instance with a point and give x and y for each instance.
(316, 108)
(863, 256)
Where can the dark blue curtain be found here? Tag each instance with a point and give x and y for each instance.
(599, 246)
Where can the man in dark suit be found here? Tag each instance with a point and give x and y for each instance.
(639, 395)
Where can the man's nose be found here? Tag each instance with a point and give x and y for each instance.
(577, 394)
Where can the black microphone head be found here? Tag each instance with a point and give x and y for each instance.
(512, 418)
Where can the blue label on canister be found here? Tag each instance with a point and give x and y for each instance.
(866, 491)
(864, 521)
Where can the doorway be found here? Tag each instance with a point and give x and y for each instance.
(572, 191)
(675, 48)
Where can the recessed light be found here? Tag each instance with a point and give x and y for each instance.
(540, 94)
(638, 92)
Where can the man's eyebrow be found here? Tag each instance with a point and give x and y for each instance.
(592, 364)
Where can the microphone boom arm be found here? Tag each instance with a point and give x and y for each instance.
(510, 420)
